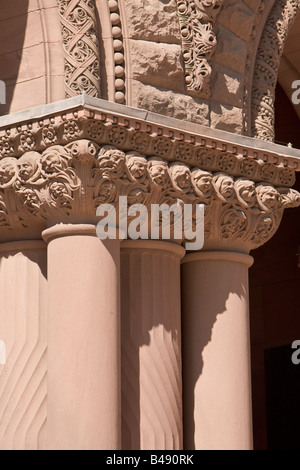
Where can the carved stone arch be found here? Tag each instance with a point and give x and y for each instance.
(266, 67)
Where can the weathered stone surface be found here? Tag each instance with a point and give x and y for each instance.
(227, 86)
(254, 4)
(170, 103)
(237, 17)
(231, 51)
(155, 64)
(225, 117)
(153, 20)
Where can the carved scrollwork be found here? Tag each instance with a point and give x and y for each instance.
(198, 42)
(269, 52)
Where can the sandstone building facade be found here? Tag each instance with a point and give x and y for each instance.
(140, 343)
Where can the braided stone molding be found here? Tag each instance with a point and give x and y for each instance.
(266, 68)
(65, 183)
(196, 18)
(118, 47)
(81, 47)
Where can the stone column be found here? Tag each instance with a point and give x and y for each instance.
(23, 333)
(216, 351)
(83, 339)
(151, 345)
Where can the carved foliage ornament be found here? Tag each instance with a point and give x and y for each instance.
(65, 182)
(199, 41)
(81, 48)
(266, 68)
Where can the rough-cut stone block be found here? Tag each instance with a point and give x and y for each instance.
(225, 117)
(237, 17)
(231, 51)
(227, 86)
(170, 103)
(155, 64)
(153, 20)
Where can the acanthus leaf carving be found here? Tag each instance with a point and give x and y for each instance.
(198, 42)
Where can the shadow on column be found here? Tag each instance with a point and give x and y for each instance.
(13, 21)
(196, 335)
(151, 376)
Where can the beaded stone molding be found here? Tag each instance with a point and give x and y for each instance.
(118, 50)
(66, 183)
(199, 41)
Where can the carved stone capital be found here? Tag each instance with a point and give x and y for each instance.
(67, 184)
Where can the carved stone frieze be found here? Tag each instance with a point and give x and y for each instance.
(199, 41)
(66, 183)
(150, 140)
(268, 56)
(81, 48)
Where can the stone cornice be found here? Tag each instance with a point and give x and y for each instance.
(151, 134)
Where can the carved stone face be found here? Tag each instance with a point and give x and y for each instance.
(269, 197)
(182, 177)
(159, 173)
(58, 190)
(7, 170)
(137, 166)
(226, 187)
(203, 181)
(114, 160)
(247, 192)
(26, 167)
(51, 162)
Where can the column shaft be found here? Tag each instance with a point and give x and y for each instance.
(84, 396)
(23, 333)
(216, 351)
(151, 345)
